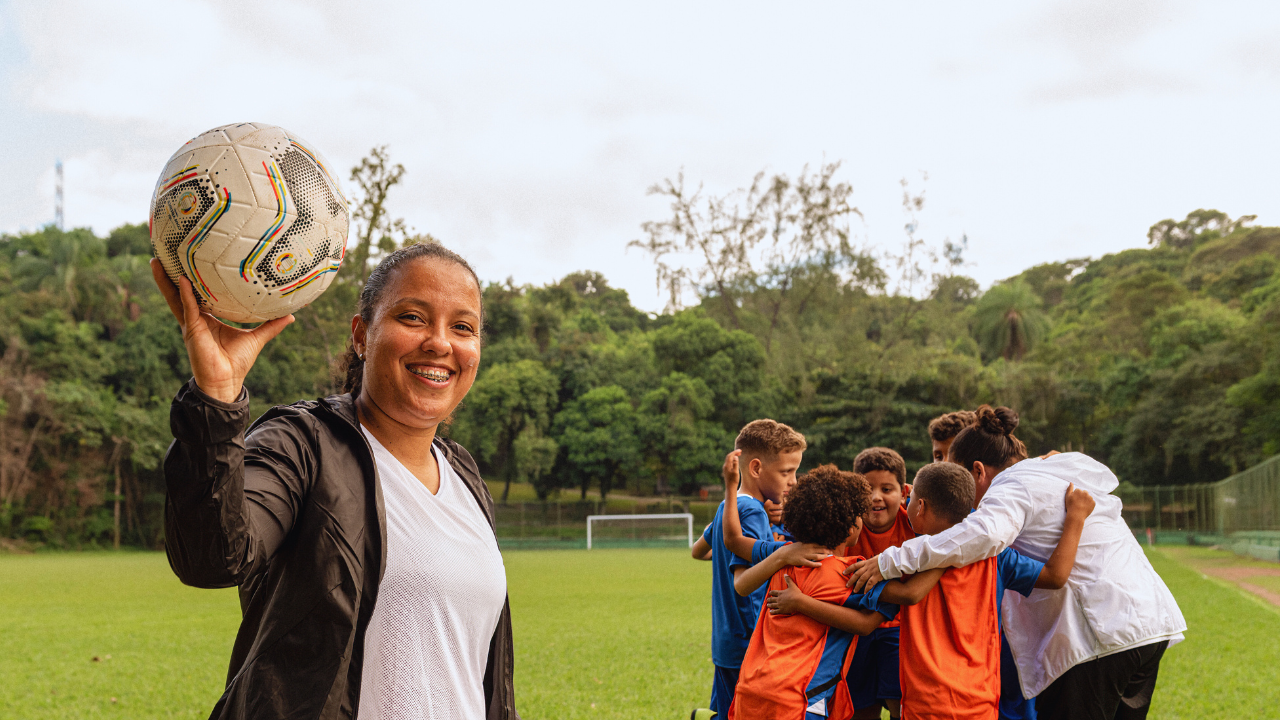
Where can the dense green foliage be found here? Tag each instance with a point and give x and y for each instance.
(1162, 362)
(615, 634)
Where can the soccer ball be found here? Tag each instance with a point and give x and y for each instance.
(252, 216)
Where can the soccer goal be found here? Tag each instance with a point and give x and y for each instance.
(665, 529)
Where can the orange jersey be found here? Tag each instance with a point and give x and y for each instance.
(871, 544)
(794, 661)
(949, 648)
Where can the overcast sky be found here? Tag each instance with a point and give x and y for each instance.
(530, 131)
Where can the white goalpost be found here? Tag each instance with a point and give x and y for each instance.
(687, 517)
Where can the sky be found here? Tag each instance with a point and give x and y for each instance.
(531, 132)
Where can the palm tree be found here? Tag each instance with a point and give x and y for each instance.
(1008, 321)
(69, 265)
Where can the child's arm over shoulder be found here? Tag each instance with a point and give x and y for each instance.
(859, 614)
(912, 590)
(747, 579)
(1056, 571)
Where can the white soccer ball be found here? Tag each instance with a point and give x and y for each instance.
(253, 216)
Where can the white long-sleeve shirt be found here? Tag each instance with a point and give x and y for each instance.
(1113, 600)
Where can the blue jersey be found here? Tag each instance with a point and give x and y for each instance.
(733, 617)
(780, 531)
(1017, 572)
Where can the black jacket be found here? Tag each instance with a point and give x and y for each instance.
(292, 513)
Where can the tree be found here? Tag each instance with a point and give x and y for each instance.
(756, 242)
(598, 435)
(729, 362)
(1008, 322)
(507, 414)
(681, 443)
(1198, 226)
(374, 228)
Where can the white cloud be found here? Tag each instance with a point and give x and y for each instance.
(530, 131)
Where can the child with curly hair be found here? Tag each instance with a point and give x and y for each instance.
(795, 664)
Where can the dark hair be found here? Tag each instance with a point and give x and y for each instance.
(825, 505)
(768, 438)
(947, 488)
(989, 440)
(351, 366)
(948, 425)
(881, 458)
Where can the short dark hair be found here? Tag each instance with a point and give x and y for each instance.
(948, 488)
(881, 458)
(825, 505)
(948, 425)
(989, 440)
(768, 438)
(351, 365)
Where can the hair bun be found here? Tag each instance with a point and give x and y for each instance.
(997, 421)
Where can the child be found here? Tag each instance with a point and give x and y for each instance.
(944, 428)
(1013, 706)
(771, 453)
(795, 665)
(873, 673)
(779, 530)
(950, 639)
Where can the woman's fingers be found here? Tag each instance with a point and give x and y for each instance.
(269, 329)
(190, 308)
(221, 355)
(167, 289)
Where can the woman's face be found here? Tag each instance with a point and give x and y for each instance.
(422, 347)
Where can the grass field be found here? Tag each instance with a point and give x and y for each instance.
(602, 634)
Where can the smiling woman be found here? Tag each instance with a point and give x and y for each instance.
(343, 520)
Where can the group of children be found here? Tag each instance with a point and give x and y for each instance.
(790, 639)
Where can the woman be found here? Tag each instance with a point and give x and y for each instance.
(363, 544)
(1091, 650)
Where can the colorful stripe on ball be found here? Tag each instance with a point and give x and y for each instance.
(282, 204)
(201, 233)
(174, 179)
(307, 280)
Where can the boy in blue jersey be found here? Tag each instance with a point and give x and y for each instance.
(770, 454)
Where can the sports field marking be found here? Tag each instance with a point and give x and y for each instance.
(1254, 576)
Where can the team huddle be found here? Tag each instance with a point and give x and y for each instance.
(791, 638)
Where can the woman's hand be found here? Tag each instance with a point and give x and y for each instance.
(864, 575)
(786, 602)
(220, 355)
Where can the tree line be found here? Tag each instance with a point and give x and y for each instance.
(1162, 361)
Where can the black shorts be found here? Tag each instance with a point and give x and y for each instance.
(1115, 687)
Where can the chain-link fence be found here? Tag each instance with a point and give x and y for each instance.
(1242, 510)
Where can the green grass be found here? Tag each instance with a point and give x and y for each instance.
(1226, 668)
(1266, 582)
(602, 634)
(168, 644)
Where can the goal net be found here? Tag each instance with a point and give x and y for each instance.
(661, 530)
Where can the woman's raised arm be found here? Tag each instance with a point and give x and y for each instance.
(229, 503)
(221, 356)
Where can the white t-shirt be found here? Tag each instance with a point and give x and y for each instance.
(427, 644)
